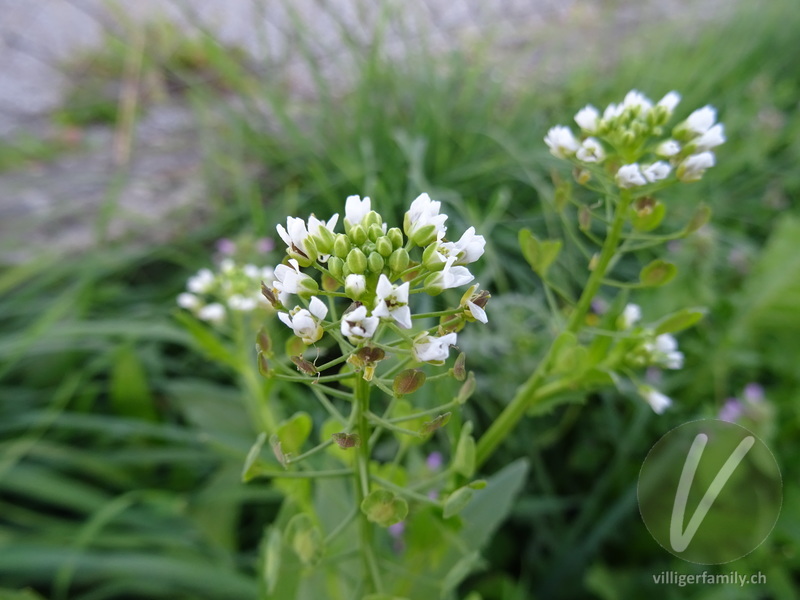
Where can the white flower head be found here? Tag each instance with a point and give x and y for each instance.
(188, 301)
(449, 277)
(561, 141)
(251, 271)
(668, 148)
(355, 209)
(466, 250)
(631, 315)
(670, 101)
(701, 120)
(666, 352)
(693, 167)
(306, 321)
(294, 236)
(711, 138)
(242, 303)
(635, 100)
(591, 151)
(474, 302)
(657, 401)
(656, 172)
(433, 349)
(290, 280)
(392, 302)
(424, 221)
(323, 235)
(612, 111)
(201, 282)
(629, 176)
(588, 119)
(213, 313)
(314, 224)
(355, 285)
(357, 326)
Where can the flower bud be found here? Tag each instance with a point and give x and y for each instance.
(341, 246)
(335, 265)
(433, 284)
(356, 260)
(323, 240)
(375, 231)
(372, 218)
(307, 287)
(358, 234)
(431, 258)
(396, 237)
(355, 286)
(424, 235)
(375, 262)
(399, 260)
(384, 246)
(311, 250)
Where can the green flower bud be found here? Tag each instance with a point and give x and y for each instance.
(368, 247)
(375, 262)
(384, 246)
(424, 235)
(399, 260)
(311, 248)
(341, 246)
(307, 287)
(324, 240)
(375, 231)
(431, 259)
(335, 265)
(396, 237)
(358, 234)
(357, 260)
(433, 284)
(372, 218)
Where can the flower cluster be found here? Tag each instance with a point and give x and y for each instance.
(630, 139)
(378, 269)
(211, 295)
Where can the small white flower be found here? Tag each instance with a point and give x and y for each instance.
(588, 119)
(288, 280)
(466, 250)
(701, 120)
(252, 271)
(306, 321)
(477, 312)
(630, 176)
(693, 167)
(188, 301)
(423, 212)
(355, 209)
(214, 313)
(591, 151)
(242, 303)
(355, 285)
(656, 172)
(357, 326)
(392, 302)
(612, 111)
(711, 138)
(657, 401)
(450, 276)
(314, 224)
(433, 349)
(670, 101)
(668, 148)
(631, 315)
(666, 352)
(294, 235)
(636, 100)
(201, 282)
(561, 141)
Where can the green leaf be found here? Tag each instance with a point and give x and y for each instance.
(464, 456)
(384, 508)
(680, 320)
(457, 501)
(469, 563)
(657, 273)
(249, 471)
(129, 390)
(539, 254)
(207, 340)
(294, 431)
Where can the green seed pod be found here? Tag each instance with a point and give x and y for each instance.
(341, 247)
(399, 260)
(375, 262)
(384, 246)
(396, 237)
(357, 261)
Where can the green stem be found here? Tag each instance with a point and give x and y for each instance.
(527, 395)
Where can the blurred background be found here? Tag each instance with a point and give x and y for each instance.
(135, 136)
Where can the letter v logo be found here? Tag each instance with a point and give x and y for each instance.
(680, 539)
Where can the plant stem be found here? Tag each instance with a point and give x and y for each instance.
(527, 394)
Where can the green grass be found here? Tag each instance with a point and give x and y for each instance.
(122, 446)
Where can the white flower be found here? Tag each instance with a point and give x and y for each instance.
(242, 303)
(701, 120)
(477, 312)
(711, 138)
(355, 285)
(668, 148)
(466, 250)
(591, 151)
(252, 271)
(392, 302)
(666, 352)
(656, 172)
(188, 301)
(355, 209)
(630, 176)
(670, 101)
(294, 235)
(588, 119)
(693, 167)
(288, 280)
(612, 111)
(636, 100)
(433, 349)
(422, 213)
(357, 326)
(657, 401)
(306, 321)
(561, 141)
(201, 282)
(213, 313)
(450, 276)
(631, 315)
(468, 301)
(314, 224)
